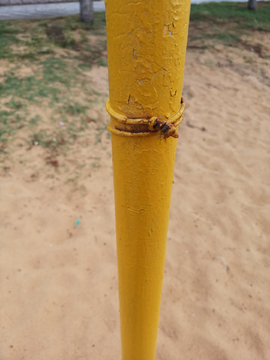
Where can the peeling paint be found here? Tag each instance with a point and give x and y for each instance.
(149, 46)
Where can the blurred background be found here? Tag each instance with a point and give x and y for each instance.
(58, 266)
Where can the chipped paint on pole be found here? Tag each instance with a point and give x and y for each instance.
(146, 55)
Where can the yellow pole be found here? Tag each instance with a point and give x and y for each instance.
(146, 55)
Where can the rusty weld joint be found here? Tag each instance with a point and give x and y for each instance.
(155, 125)
(164, 127)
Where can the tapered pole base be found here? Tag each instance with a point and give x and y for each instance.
(143, 176)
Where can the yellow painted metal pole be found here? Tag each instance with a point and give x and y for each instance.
(146, 55)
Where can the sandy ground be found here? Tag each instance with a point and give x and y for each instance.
(59, 297)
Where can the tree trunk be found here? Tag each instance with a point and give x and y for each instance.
(252, 4)
(86, 11)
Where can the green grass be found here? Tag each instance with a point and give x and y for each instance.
(35, 120)
(76, 109)
(43, 36)
(225, 23)
(29, 88)
(7, 38)
(10, 122)
(231, 12)
(56, 70)
(58, 51)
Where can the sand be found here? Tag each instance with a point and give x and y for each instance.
(59, 297)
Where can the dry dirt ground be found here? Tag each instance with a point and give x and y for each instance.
(58, 274)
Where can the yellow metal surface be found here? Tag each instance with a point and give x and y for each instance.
(143, 176)
(152, 123)
(146, 55)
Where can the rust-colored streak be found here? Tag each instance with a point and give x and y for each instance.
(165, 128)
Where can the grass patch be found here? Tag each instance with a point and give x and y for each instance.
(225, 22)
(7, 38)
(10, 121)
(39, 37)
(232, 12)
(76, 109)
(45, 63)
(56, 70)
(29, 88)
